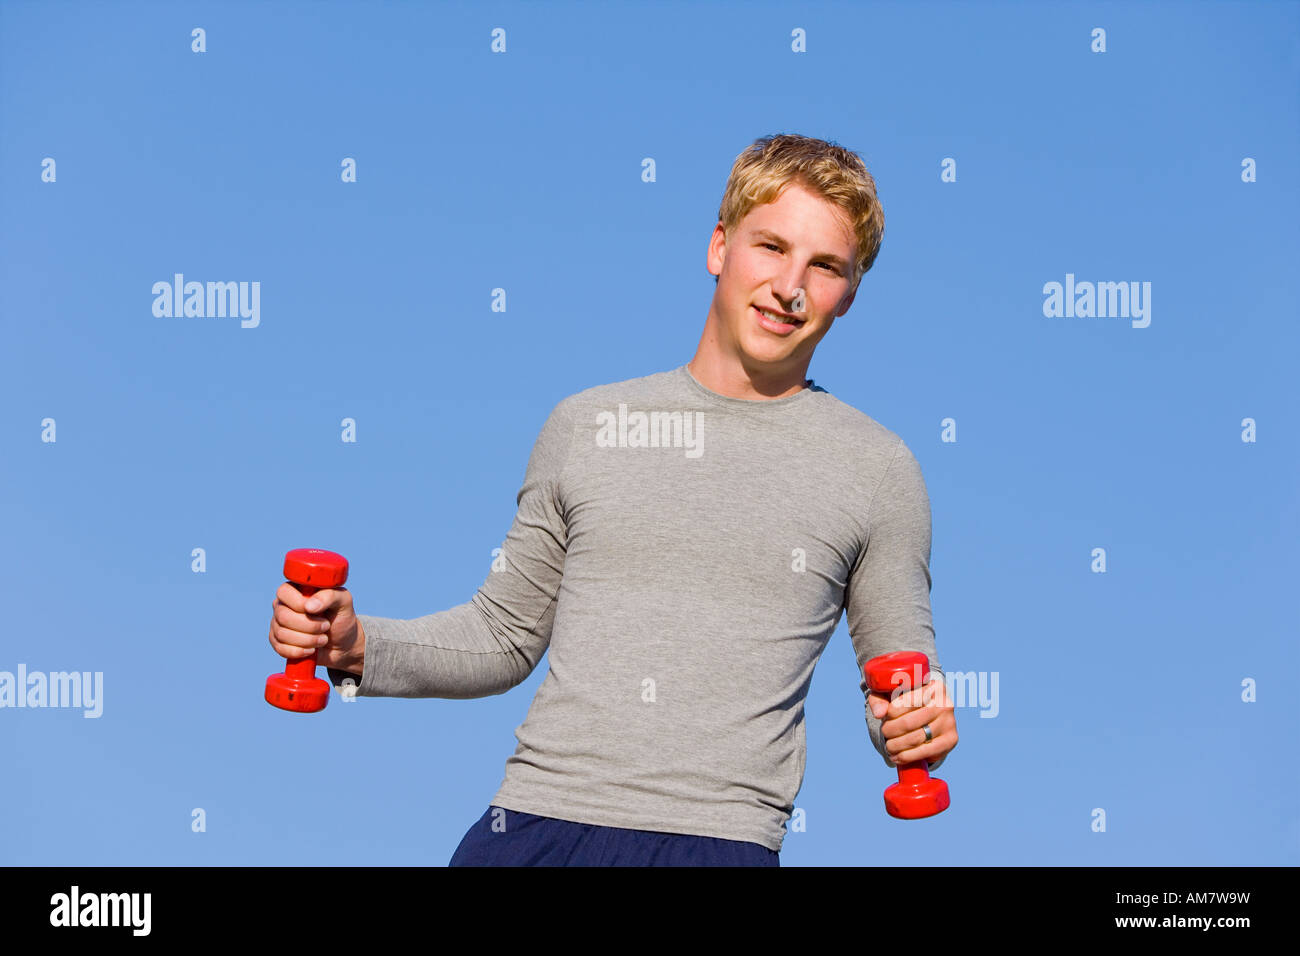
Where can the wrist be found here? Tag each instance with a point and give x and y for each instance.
(357, 658)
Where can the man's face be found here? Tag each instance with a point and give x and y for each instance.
(799, 241)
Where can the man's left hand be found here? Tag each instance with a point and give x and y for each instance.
(903, 718)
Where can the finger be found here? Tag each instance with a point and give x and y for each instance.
(288, 644)
(935, 692)
(906, 703)
(328, 600)
(322, 601)
(309, 626)
(912, 720)
(290, 596)
(890, 707)
(912, 746)
(930, 751)
(932, 694)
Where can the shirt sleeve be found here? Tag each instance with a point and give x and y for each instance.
(887, 601)
(493, 641)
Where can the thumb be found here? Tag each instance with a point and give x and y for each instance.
(320, 601)
(878, 707)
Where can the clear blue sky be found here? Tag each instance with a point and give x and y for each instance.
(522, 170)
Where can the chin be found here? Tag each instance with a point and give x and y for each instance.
(766, 355)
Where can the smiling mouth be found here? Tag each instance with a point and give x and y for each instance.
(784, 321)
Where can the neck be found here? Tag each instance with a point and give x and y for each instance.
(733, 379)
(725, 371)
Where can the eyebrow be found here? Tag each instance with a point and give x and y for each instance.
(829, 256)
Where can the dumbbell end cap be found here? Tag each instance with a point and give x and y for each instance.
(316, 567)
(888, 671)
(303, 696)
(914, 801)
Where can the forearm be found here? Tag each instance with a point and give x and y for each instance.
(354, 665)
(455, 653)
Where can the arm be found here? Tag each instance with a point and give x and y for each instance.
(492, 642)
(888, 596)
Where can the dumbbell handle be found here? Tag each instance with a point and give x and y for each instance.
(302, 668)
(914, 773)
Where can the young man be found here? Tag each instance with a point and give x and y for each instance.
(685, 545)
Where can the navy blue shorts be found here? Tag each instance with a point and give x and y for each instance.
(530, 840)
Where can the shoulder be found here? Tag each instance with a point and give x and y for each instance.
(861, 435)
(878, 457)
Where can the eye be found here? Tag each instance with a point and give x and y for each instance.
(828, 265)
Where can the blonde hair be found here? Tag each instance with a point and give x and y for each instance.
(836, 174)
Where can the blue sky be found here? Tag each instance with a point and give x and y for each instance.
(522, 170)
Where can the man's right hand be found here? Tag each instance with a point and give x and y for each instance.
(331, 629)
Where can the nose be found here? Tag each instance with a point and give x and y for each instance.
(788, 288)
(794, 301)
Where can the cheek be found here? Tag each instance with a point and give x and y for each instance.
(830, 304)
(746, 269)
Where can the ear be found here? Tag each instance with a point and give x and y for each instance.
(717, 253)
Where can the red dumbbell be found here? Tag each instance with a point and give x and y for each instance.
(916, 794)
(298, 688)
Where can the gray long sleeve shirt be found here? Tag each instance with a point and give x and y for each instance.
(685, 556)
